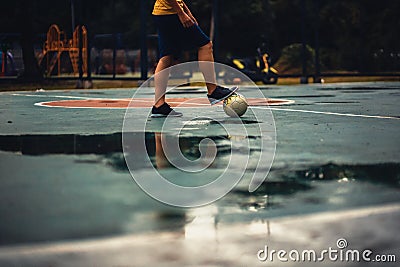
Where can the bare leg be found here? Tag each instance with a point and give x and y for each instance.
(161, 80)
(205, 53)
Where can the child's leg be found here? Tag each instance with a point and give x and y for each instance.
(161, 79)
(205, 53)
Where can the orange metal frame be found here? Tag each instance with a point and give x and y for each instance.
(57, 44)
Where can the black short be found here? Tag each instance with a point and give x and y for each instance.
(173, 38)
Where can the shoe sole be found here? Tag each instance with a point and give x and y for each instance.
(215, 101)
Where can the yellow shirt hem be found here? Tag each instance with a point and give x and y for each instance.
(162, 7)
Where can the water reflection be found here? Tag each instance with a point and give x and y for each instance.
(62, 144)
(109, 146)
(385, 173)
(188, 147)
(108, 194)
(329, 185)
(270, 195)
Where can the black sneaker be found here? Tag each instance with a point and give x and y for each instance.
(164, 111)
(221, 93)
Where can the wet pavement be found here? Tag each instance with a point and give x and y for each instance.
(65, 183)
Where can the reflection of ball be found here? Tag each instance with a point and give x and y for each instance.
(235, 105)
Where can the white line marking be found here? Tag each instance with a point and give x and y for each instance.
(50, 96)
(45, 104)
(335, 113)
(74, 97)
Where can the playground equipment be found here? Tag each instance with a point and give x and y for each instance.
(57, 45)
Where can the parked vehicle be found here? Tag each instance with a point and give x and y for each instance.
(257, 68)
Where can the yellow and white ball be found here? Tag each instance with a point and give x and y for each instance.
(235, 105)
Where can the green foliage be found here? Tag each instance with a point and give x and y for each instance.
(291, 60)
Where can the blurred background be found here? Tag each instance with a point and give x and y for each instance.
(116, 39)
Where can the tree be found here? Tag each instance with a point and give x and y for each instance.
(26, 28)
(20, 22)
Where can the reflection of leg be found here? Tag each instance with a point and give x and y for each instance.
(205, 53)
(161, 160)
(161, 79)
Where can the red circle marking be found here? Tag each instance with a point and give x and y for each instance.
(148, 102)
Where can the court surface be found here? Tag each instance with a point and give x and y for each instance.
(67, 198)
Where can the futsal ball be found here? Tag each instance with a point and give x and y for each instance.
(235, 105)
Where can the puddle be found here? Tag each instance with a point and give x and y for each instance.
(337, 102)
(61, 144)
(235, 121)
(385, 174)
(356, 91)
(305, 96)
(318, 188)
(109, 147)
(52, 181)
